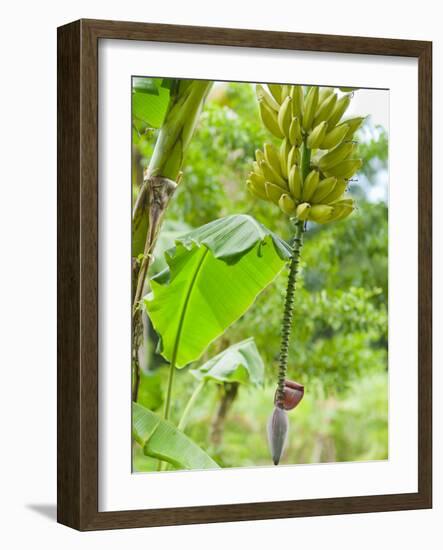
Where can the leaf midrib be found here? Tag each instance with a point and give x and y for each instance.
(185, 306)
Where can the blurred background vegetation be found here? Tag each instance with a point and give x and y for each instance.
(339, 342)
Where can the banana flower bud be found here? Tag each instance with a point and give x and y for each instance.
(277, 433)
(292, 395)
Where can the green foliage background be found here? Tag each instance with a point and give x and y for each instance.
(339, 341)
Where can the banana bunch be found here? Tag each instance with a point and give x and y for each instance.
(308, 174)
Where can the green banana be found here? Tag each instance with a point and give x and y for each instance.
(317, 135)
(272, 157)
(256, 168)
(293, 157)
(271, 175)
(310, 185)
(310, 107)
(269, 119)
(337, 192)
(264, 95)
(324, 188)
(286, 204)
(285, 147)
(306, 118)
(294, 182)
(285, 116)
(340, 212)
(273, 192)
(297, 101)
(256, 178)
(256, 190)
(353, 125)
(344, 202)
(336, 155)
(295, 135)
(339, 110)
(325, 109)
(275, 90)
(302, 211)
(259, 155)
(285, 90)
(324, 93)
(320, 213)
(345, 169)
(334, 137)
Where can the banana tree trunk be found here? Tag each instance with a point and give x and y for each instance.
(159, 183)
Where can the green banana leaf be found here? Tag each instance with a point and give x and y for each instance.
(150, 100)
(240, 363)
(162, 440)
(214, 275)
(171, 230)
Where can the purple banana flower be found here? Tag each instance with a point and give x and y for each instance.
(278, 423)
(278, 433)
(292, 395)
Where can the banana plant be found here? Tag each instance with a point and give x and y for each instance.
(174, 106)
(306, 177)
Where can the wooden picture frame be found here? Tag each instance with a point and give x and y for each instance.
(78, 274)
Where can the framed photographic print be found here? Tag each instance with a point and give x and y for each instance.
(244, 275)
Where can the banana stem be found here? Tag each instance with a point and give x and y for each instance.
(158, 187)
(160, 191)
(170, 148)
(305, 161)
(169, 391)
(185, 416)
(296, 245)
